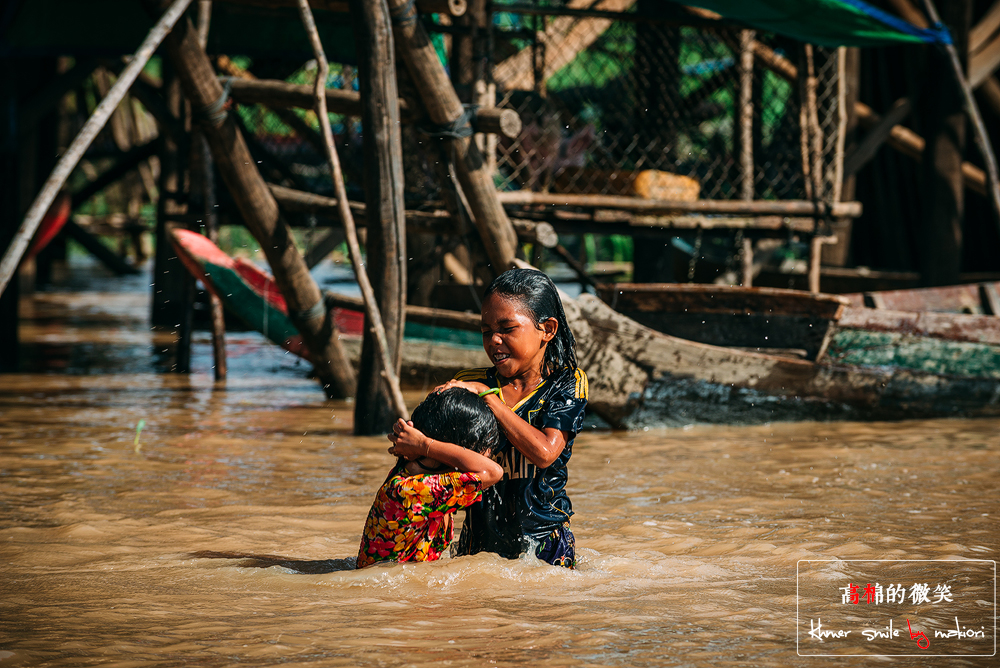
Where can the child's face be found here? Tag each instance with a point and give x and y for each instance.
(514, 344)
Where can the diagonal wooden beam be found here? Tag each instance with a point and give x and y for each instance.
(877, 136)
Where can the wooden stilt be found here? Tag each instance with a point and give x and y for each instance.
(939, 226)
(746, 262)
(979, 129)
(371, 306)
(374, 408)
(815, 257)
(203, 155)
(260, 212)
(71, 157)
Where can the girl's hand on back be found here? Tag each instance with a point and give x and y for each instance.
(408, 442)
(478, 388)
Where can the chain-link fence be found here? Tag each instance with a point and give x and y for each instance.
(604, 100)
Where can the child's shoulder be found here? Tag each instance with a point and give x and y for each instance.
(573, 382)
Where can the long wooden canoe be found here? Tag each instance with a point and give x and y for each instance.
(432, 352)
(868, 364)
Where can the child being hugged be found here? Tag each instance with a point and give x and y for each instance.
(443, 466)
(538, 394)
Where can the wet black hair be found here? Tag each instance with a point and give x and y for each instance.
(537, 294)
(460, 417)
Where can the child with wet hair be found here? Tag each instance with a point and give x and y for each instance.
(538, 393)
(443, 465)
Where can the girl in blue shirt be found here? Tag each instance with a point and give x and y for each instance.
(538, 395)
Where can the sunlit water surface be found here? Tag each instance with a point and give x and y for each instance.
(226, 533)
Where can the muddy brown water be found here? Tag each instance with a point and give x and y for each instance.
(226, 535)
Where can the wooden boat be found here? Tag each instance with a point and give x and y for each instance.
(765, 355)
(973, 298)
(670, 354)
(53, 221)
(438, 344)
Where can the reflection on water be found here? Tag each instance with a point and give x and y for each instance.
(227, 535)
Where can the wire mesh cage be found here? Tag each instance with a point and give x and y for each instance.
(619, 107)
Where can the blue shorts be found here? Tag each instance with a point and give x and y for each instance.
(558, 548)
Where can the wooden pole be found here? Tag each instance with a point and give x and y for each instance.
(444, 108)
(938, 233)
(260, 212)
(745, 115)
(34, 215)
(220, 366)
(371, 306)
(374, 409)
(972, 109)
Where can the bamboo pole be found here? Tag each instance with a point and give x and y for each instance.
(34, 215)
(444, 108)
(972, 109)
(260, 213)
(371, 307)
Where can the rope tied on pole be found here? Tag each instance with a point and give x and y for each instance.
(214, 114)
(405, 14)
(459, 128)
(317, 310)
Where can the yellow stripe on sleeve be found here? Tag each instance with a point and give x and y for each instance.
(471, 375)
(582, 385)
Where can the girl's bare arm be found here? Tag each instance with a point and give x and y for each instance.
(541, 446)
(410, 442)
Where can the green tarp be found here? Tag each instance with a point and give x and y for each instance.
(824, 22)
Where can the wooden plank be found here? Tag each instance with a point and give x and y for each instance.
(984, 63)
(695, 298)
(982, 33)
(945, 326)
(718, 207)
(947, 299)
(324, 247)
(125, 164)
